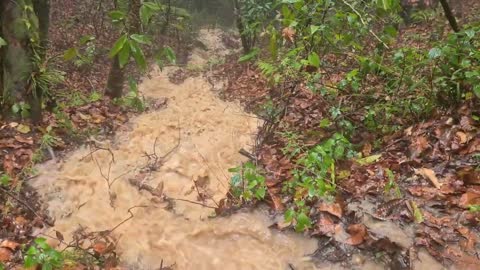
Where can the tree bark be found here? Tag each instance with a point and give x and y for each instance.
(116, 77)
(449, 14)
(241, 28)
(42, 10)
(16, 56)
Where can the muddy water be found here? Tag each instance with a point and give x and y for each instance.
(209, 133)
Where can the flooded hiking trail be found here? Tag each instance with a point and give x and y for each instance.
(200, 136)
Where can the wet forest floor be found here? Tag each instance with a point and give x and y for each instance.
(409, 195)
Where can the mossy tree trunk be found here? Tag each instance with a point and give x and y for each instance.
(17, 64)
(16, 55)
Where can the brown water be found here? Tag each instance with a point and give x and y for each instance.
(210, 133)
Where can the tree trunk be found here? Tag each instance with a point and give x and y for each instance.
(449, 14)
(241, 28)
(16, 56)
(116, 77)
(42, 10)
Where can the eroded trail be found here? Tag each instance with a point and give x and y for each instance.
(209, 132)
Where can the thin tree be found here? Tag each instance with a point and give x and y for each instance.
(116, 77)
(449, 14)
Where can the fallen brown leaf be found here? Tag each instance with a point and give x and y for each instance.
(430, 175)
(5, 254)
(288, 33)
(28, 140)
(469, 198)
(100, 247)
(334, 209)
(9, 244)
(358, 233)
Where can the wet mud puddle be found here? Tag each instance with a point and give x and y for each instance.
(201, 135)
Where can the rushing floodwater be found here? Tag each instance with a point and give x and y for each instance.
(209, 133)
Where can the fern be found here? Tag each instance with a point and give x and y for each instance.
(266, 68)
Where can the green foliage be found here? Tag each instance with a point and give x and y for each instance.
(315, 178)
(316, 169)
(248, 183)
(249, 56)
(133, 99)
(40, 254)
(392, 185)
(475, 208)
(4, 180)
(83, 55)
(299, 217)
(254, 15)
(456, 66)
(293, 145)
(43, 76)
(165, 55)
(2, 42)
(22, 109)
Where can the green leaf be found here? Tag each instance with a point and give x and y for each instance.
(24, 129)
(325, 123)
(369, 160)
(260, 193)
(29, 261)
(145, 15)
(16, 108)
(249, 56)
(170, 54)
(138, 55)
(314, 60)
(124, 55)
(152, 6)
(417, 213)
(118, 46)
(117, 15)
(476, 90)
(314, 29)
(5, 180)
(87, 38)
(289, 215)
(2, 42)
(142, 39)
(434, 53)
(303, 222)
(70, 54)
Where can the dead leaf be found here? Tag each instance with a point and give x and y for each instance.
(5, 254)
(469, 198)
(334, 209)
(9, 244)
(324, 225)
(430, 175)
(418, 146)
(28, 140)
(288, 33)
(59, 236)
(461, 137)
(358, 233)
(367, 149)
(23, 129)
(471, 238)
(100, 247)
(469, 175)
